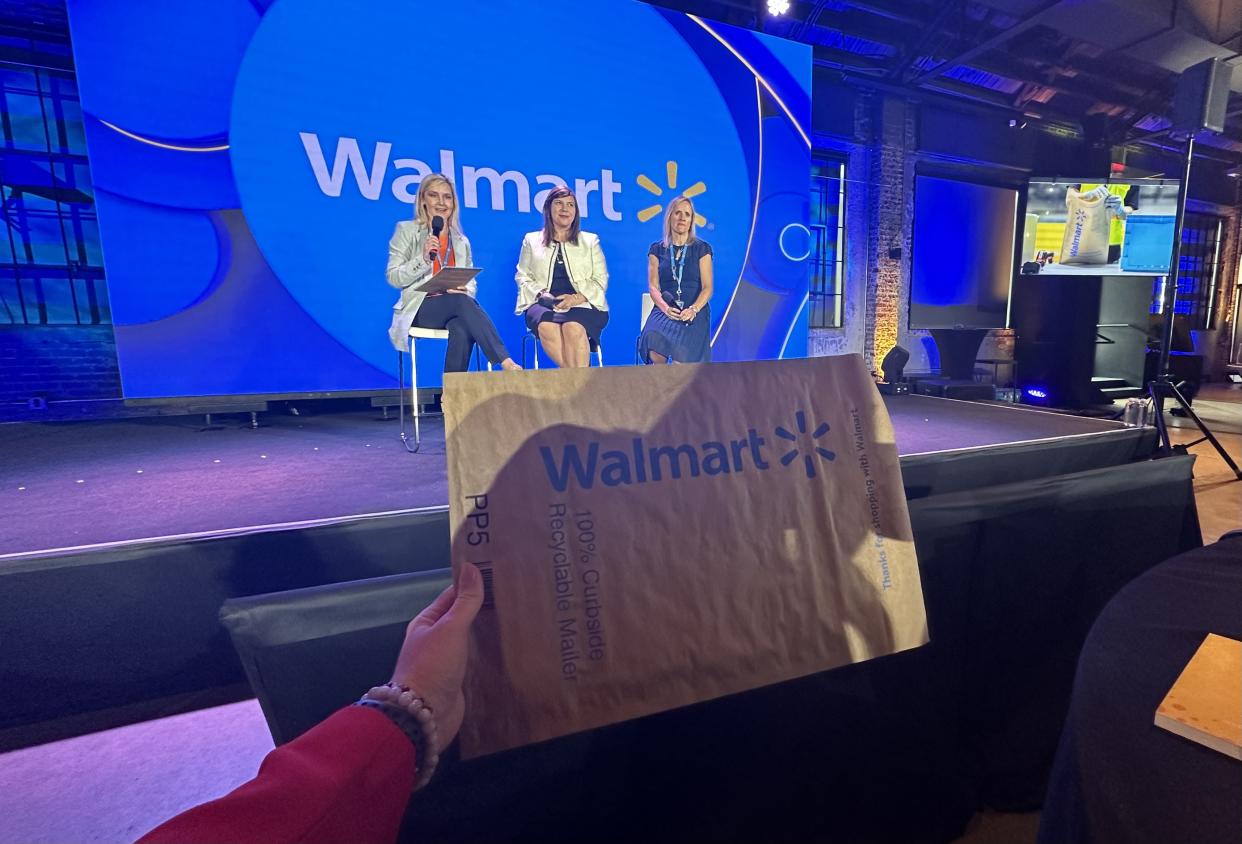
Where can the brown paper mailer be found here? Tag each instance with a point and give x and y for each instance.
(656, 536)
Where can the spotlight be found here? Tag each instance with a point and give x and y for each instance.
(1234, 172)
(778, 7)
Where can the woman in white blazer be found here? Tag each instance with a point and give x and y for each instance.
(562, 277)
(414, 255)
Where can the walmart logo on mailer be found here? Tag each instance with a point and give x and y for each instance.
(640, 462)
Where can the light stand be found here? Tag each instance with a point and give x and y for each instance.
(1162, 386)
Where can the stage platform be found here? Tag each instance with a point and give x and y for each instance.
(74, 486)
(122, 539)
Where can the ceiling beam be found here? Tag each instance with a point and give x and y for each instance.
(908, 55)
(884, 12)
(863, 25)
(1031, 20)
(830, 57)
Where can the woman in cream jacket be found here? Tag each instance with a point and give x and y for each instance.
(562, 277)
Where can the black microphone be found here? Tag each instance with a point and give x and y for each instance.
(437, 226)
(671, 300)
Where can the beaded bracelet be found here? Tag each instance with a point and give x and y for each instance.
(415, 718)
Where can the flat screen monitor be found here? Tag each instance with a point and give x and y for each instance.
(1091, 227)
(963, 254)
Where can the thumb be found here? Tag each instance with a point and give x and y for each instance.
(469, 595)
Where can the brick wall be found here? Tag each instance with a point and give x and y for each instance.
(890, 178)
(58, 363)
(850, 338)
(879, 212)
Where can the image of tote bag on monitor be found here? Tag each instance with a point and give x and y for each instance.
(1086, 227)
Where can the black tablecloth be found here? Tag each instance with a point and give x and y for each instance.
(1119, 778)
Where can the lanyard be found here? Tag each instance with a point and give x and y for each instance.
(678, 267)
(445, 260)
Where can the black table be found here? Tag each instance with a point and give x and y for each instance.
(1118, 778)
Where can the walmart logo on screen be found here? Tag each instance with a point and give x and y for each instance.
(370, 168)
(641, 463)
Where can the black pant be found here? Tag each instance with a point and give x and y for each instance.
(466, 323)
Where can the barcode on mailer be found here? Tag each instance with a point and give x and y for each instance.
(486, 571)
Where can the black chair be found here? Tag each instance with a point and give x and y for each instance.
(308, 652)
(826, 739)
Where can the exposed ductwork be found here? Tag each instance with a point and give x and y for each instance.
(1109, 66)
(1172, 34)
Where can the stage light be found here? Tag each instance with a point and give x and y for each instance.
(778, 7)
(1036, 393)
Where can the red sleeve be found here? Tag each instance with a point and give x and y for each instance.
(347, 779)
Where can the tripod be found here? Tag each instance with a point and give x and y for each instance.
(1162, 386)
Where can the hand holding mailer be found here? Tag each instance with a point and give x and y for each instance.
(652, 537)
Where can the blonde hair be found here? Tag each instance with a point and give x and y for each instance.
(453, 223)
(668, 219)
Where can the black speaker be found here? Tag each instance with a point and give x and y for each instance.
(1202, 97)
(894, 365)
(1098, 151)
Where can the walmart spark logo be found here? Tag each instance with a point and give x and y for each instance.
(645, 182)
(792, 454)
(638, 461)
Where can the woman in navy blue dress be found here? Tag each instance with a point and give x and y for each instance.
(679, 278)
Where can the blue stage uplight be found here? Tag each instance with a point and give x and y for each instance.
(1036, 393)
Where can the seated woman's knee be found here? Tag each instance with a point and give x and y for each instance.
(573, 331)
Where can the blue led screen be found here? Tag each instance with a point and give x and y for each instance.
(252, 158)
(962, 257)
